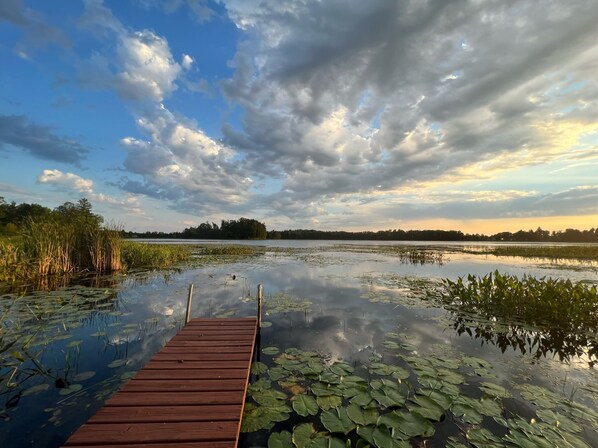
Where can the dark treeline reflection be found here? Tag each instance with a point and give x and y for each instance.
(550, 342)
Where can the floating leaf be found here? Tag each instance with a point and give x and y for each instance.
(426, 407)
(269, 397)
(362, 416)
(70, 389)
(302, 435)
(117, 363)
(410, 424)
(337, 421)
(36, 389)
(304, 405)
(258, 368)
(84, 376)
(327, 402)
(280, 440)
(494, 390)
(270, 350)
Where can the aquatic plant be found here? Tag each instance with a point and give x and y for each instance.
(540, 303)
(142, 255)
(539, 316)
(542, 251)
(387, 403)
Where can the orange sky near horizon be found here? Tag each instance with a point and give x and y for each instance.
(493, 226)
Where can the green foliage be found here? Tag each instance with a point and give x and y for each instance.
(241, 229)
(156, 256)
(544, 315)
(552, 252)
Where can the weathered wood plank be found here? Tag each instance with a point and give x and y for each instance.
(182, 374)
(174, 398)
(167, 385)
(148, 414)
(176, 365)
(154, 432)
(204, 349)
(212, 444)
(162, 356)
(184, 343)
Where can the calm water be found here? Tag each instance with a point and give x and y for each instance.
(64, 352)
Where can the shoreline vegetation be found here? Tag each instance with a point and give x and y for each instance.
(71, 239)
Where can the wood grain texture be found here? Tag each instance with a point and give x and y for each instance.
(190, 394)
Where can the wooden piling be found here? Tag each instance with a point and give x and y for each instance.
(260, 298)
(189, 300)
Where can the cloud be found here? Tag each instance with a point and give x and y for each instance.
(141, 66)
(187, 62)
(65, 181)
(198, 8)
(423, 92)
(178, 162)
(40, 141)
(38, 34)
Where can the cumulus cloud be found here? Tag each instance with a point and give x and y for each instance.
(141, 68)
(354, 99)
(177, 161)
(17, 132)
(68, 181)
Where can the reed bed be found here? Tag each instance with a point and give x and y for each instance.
(587, 252)
(143, 255)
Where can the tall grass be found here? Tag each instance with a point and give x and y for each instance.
(142, 255)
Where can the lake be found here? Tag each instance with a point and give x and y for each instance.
(353, 336)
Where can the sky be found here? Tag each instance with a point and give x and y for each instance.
(480, 116)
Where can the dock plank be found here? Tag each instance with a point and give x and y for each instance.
(190, 394)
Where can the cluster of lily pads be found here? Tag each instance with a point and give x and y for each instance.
(407, 291)
(283, 302)
(29, 324)
(392, 401)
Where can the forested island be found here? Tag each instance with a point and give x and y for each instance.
(13, 216)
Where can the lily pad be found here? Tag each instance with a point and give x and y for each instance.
(270, 350)
(280, 440)
(327, 402)
(258, 368)
(36, 389)
(84, 376)
(117, 363)
(70, 389)
(304, 405)
(337, 421)
(362, 416)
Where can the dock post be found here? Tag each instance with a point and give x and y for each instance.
(189, 300)
(260, 297)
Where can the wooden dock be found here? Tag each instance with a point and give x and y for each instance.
(190, 394)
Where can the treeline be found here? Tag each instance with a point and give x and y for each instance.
(241, 229)
(538, 235)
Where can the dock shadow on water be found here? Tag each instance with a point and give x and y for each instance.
(361, 344)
